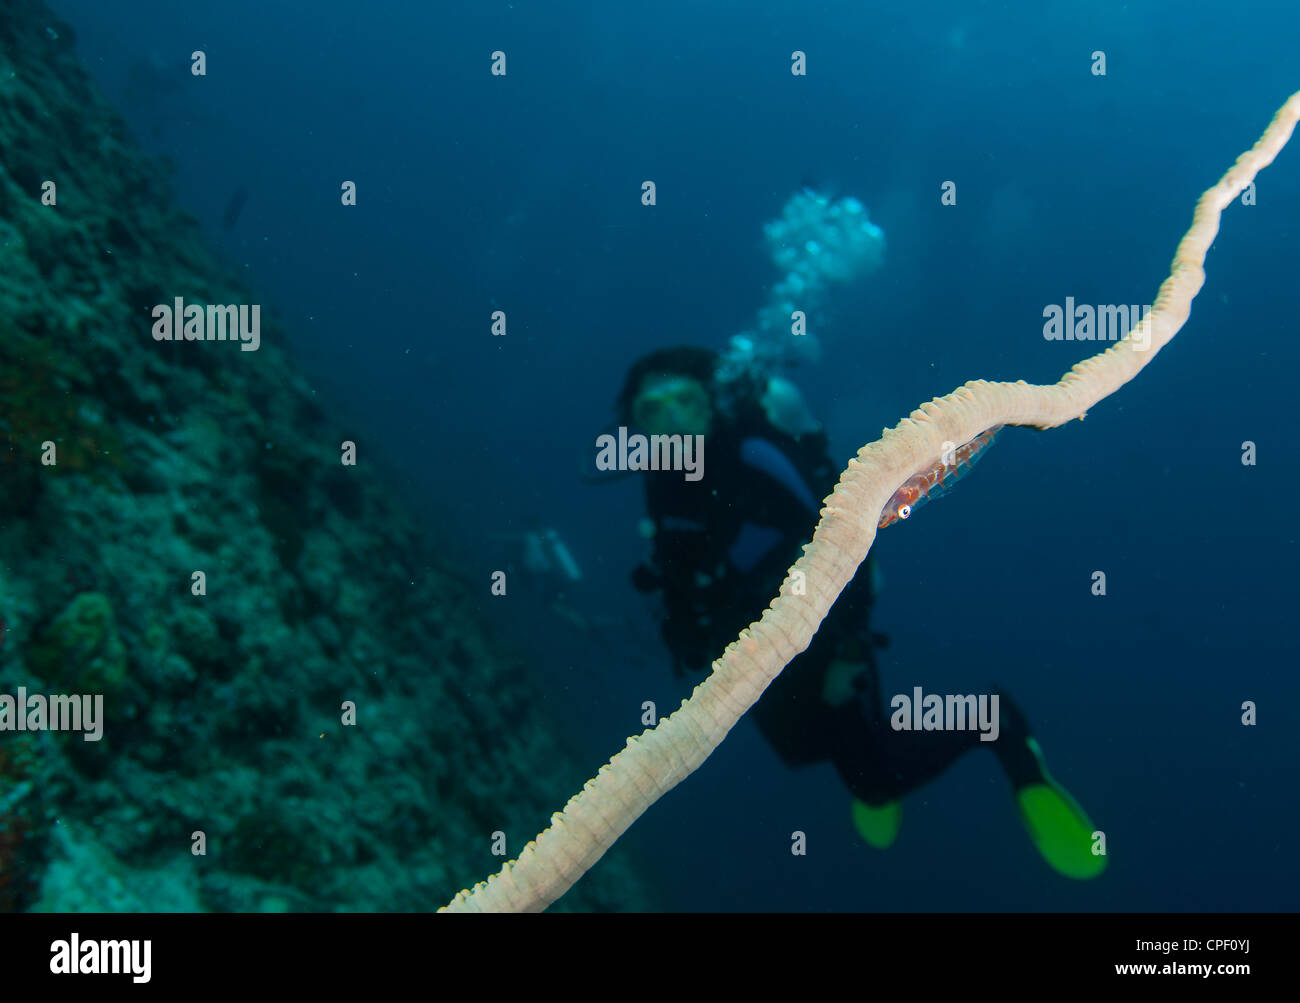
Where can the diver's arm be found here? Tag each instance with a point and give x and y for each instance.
(683, 566)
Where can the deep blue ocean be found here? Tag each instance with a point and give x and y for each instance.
(523, 193)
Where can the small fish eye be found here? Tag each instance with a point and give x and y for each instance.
(904, 511)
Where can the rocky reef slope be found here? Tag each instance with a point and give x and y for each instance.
(222, 711)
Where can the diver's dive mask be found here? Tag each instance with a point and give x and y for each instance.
(669, 404)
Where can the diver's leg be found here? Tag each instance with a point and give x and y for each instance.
(791, 713)
(879, 764)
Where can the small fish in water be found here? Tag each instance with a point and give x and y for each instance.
(233, 208)
(936, 480)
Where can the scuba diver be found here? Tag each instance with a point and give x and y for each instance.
(722, 544)
(541, 561)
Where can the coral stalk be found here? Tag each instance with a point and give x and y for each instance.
(659, 759)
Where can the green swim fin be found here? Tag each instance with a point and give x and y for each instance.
(879, 825)
(1057, 824)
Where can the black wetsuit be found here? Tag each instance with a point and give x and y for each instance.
(722, 547)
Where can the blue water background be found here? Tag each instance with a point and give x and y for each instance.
(522, 193)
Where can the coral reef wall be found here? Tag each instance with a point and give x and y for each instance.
(222, 711)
